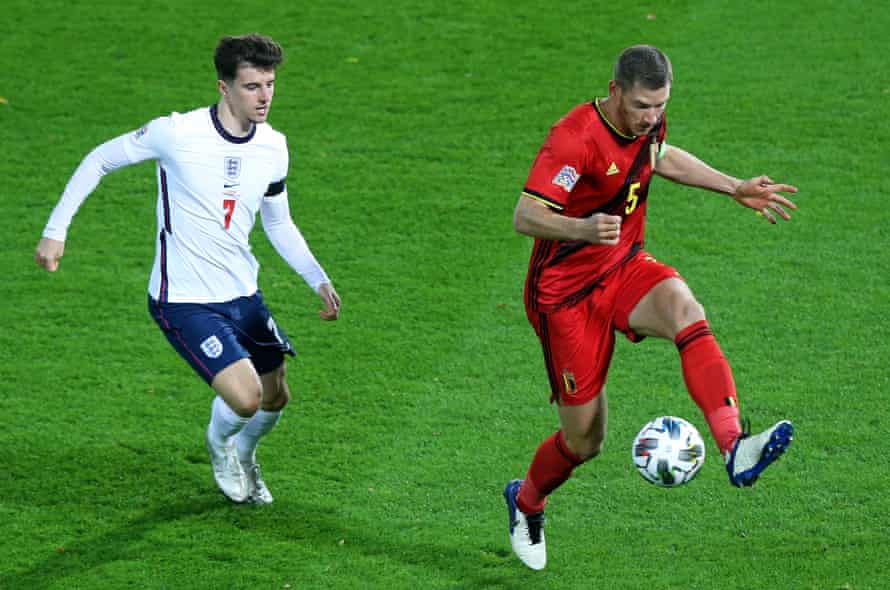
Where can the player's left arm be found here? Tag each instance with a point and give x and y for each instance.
(759, 193)
(292, 247)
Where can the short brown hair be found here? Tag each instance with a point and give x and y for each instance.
(643, 64)
(253, 49)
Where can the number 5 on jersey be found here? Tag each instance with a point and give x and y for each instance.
(229, 206)
(632, 199)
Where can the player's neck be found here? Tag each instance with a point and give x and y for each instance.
(609, 110)
(232, 124)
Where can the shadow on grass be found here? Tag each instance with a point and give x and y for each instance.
(470, 566)
(110, 547)
(453, 562)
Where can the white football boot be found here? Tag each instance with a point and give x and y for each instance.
(257, 492)
(750, 455)
(526, 530)
(227, 471)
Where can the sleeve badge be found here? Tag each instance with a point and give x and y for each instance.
(567, 177)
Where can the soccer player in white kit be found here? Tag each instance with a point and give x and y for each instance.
(216, 167)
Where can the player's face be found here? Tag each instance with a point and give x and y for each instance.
(641, 108)
(249, 95)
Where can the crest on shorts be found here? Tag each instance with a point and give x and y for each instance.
(232, 166)
(568, 382)
(566, 178)
(212, 347)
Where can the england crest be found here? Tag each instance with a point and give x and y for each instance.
(212, 347)
(233, 167)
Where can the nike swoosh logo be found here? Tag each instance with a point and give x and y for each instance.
(227, 185)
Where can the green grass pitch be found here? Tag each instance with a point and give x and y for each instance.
(412, 126)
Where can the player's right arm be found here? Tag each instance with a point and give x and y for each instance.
(131, 148)
(534, 218)
(559, 165)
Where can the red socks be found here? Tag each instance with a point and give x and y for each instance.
(709, 381)
(552, 465)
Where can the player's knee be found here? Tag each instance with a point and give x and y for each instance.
(245, 406)
(248, 400)
(687, 310)
(595, 449)
(279, 399)
(588, 452)
(276, 393)
(585, 447)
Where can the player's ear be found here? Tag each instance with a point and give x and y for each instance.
(223, 88)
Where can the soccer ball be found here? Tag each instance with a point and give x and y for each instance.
(668, 451)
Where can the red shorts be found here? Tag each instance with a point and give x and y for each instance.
(578, 341)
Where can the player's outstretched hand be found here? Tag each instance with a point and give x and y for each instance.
(48, 253)
(762, 194)
(331, 301)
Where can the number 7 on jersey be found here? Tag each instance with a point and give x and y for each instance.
(229, 206)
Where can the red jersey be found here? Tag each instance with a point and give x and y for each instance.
(587, 166)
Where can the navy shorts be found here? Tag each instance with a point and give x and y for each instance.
(212, 336)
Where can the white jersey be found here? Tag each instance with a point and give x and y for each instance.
(210, 188)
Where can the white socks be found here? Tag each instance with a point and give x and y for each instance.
(249, 436)
(224, 422)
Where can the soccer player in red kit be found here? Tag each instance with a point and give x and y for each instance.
(589, 276)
